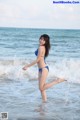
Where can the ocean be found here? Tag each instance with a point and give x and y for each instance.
(19, 92)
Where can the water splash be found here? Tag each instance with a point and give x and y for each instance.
(68, 69)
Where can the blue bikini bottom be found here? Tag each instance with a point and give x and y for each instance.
(40, 69)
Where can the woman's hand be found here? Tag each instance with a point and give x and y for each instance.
(25, 68)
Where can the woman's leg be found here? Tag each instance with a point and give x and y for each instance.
(43, 85)
(43, 93)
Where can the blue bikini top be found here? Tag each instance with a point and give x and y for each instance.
(36, 52)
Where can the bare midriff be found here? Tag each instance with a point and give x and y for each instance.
(41, 63)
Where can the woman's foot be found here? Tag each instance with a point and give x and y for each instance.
(44, 101)
(61, 80)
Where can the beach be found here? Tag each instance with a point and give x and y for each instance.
(19, 92)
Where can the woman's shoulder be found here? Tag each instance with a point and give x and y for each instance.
(41, 47)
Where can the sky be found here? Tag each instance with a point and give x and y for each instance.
(39, 14)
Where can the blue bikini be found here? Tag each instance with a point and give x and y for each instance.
(36, 52)
(40, 69)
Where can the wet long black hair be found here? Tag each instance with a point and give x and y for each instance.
(47, 45)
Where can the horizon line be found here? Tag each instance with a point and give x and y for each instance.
(39, 28)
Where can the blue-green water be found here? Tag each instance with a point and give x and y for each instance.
(23, 42)
(19, 93)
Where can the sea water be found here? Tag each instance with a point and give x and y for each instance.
(19, 92)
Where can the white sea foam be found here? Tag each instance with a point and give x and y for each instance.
(67, 68)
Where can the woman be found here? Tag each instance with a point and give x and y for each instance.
(41, 53)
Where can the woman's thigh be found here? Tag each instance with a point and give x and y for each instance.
(42, 77)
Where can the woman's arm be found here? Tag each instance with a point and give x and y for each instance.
(35, 61)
